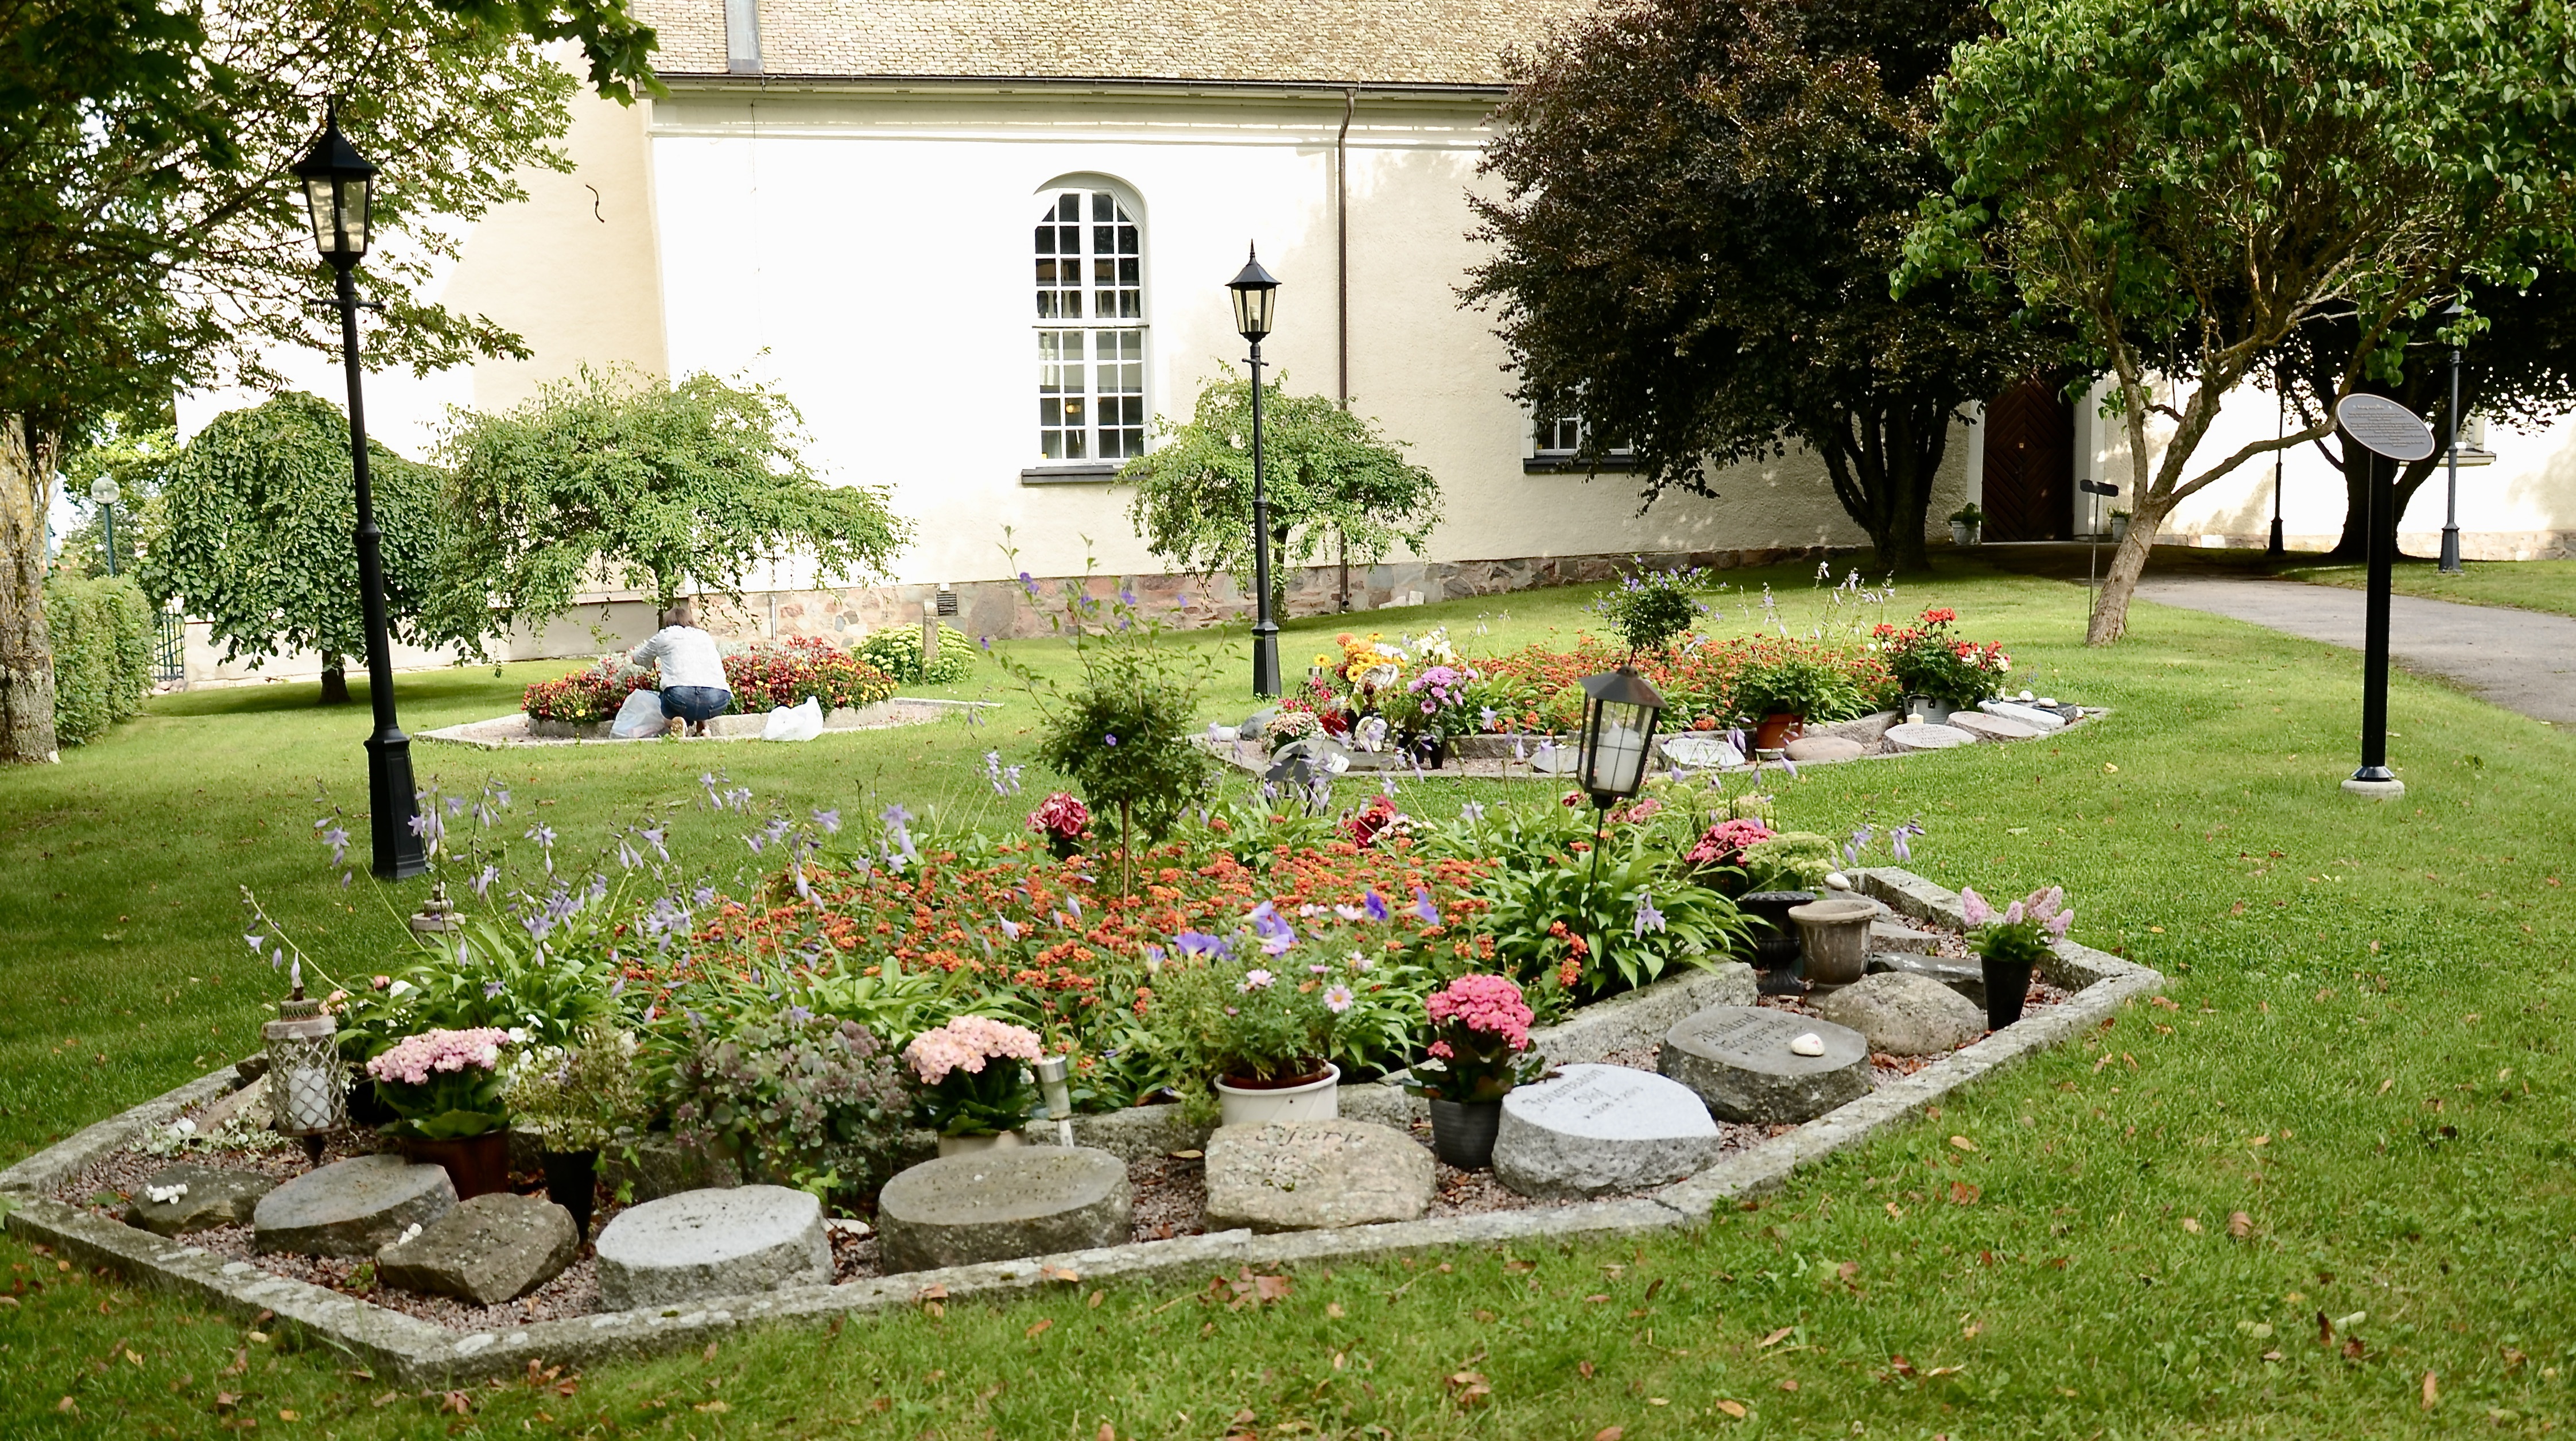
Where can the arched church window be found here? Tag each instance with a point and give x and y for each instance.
(1091, 328)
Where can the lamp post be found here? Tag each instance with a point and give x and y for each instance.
(339, 188)
(104, 491)
(1256, 293)
(2280, 427)
(2389, 431)
(2451, 499)
(1619, 711)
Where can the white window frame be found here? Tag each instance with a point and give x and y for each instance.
(1109, 354)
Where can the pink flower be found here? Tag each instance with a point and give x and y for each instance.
(1973, 907)
(966, 1044)
(412, 1060)
(1338, 999)
(1255, 980)
(2013, 914)
(1488, 1005)
(2058, 923)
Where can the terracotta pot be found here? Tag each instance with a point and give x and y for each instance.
(1462, 1132)
(1777, 731)
(1242, 1101)
(478, 1165)
(964, 1145)
(1834, 936)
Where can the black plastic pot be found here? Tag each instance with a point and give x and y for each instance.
(2006, 983)
(1775, 941)
(572, 1181)
(1430, 752)
(1462, 1132)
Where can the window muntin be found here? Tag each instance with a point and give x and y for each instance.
(1565, 434)
(1090, 290)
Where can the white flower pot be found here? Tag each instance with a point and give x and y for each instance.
(961, 1145)
(1317, 1100)
(1962, 533)
(2119, 529)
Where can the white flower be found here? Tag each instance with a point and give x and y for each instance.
(518, 1035)
(398, 988)
(164, 1195)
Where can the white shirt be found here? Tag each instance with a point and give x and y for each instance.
(688, 656)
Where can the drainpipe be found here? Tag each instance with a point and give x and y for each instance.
(1342, 292)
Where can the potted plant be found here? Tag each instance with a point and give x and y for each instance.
(1779, 697)
(975, 1092)
(1063, 821)
(1967, 524)
(2119, 526)
(575, 1098)
(1480, 1050)
(444, 1088)
(1258, 1025)
(2011, 943)
(1434, 709)
(1938, 671)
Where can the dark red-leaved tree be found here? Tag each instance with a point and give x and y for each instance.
(1703, 201)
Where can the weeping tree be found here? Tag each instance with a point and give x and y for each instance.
(620, 477)
(1702, 202)
(1332, 480)
(255, 531)
(2517, 367)
(2190, 183)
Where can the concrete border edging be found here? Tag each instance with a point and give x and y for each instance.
(415, 1352)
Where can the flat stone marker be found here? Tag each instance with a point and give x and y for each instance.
(1737, 1059)
(2029, 715)
(1824, 748)
(490, 1249)
(1913, 737)
(1888, 935)
(702, 1244)
(1311, 1175)
(1904, 1015)
(1966, 977)
(352, 1207)
(1002, 1205)
(1993, 727)
(1698, 751)
(1591, 1129)
(214, 1197)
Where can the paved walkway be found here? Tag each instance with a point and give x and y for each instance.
(2518, 659)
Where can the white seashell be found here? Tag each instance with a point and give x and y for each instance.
(1809, 1044)
(2025, 695)
(1837, 881)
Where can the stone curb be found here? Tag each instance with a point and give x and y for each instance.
(412, 1352)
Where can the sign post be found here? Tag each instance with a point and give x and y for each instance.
(2390, 432)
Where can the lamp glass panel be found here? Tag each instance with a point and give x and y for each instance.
(318, 206)
(1616, 764)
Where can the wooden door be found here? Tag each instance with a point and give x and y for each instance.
(2030, 464)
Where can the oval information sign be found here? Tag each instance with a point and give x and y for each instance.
(2384, 426)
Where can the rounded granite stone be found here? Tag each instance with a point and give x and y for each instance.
(1737, 1060)
(1591, 1129)
(1002, 1205)
(1912, 737)
(702, 1244)
(351, 1207)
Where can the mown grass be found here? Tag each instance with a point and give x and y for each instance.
(2544, 585)
(2366, 1060)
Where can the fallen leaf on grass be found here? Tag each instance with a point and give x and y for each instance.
(1963, 1143)
(387, 1399)
(1776, 1337)
(1732, 1408)
(1333, 1309)
(1468, 1388)
(68, 1406)
(1609, 1433)
(1040, 1329)
(286, 1416)
(712, 1408)
(2432, 1391)
(1789, 1385)
(1895, 1212)
(2191, 1224)
(2239, 1225)
(1058, 1273)
(1963, 1194)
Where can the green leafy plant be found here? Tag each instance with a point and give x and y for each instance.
(1790, 861)
(1968, 515)
(794, 1098)
(102, 634)
(897, 652)
(578, 1097)
(1810, 687)
(2021, 933)
(1650, 609)
(1929, 660)
(1567, 932)
(1253, 1017)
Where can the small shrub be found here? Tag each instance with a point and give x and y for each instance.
(1650, 609)
(897, 652)
(101, 630)
(794, 1097)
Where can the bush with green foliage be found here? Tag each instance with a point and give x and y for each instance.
(1650, 609)
(1809, 686)
(102, 635)
(896, 650)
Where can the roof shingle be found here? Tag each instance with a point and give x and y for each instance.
(1329, 42)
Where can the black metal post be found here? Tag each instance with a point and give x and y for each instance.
(2451, 503)
(2374, 655)
(392, 803)
(2280, 427)
(1265, 627)
(107, 531)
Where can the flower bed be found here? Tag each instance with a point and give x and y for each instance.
(761, 676)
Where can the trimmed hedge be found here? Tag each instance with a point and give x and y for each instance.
(102, 633)
(897, 652)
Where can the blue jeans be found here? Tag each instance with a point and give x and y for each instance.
(696, 703)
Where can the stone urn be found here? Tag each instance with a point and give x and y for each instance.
(1834, 936)
(1244, 1101)
(1965, 532)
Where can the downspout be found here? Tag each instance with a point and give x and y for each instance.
(1342, 292)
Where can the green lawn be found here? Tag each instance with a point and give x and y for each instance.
(2548, 585)
(2367, 1061)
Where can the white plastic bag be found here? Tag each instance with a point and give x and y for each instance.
(640, 716)
(798, 723)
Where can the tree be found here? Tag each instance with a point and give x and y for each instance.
(2517, 366)
(149, 243)
(256, 530)
(1327, 474)
(2190, 182)
(661, 486)
(1703, 201)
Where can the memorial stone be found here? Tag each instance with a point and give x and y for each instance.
(351, 1207)
(1824, 748)
(2030, 715)
(1904, 1015)
(703, 1244)
(1309, 1175)
(1001, 1205)
(490, 1249)
(1993, 727)
(1590, 1129)
(1737, 1060)
(1699, 751)
(178, 1199)
(1913, 736)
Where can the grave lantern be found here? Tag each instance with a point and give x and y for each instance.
(1619, 711)
(1054, 1073)
(304, 1090)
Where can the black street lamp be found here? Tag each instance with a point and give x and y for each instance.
(339, 189)
(2386, 431)
(2280, 427)
(2451, 501)
(104, 491)
(1256, 298)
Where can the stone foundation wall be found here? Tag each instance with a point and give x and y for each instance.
(1000, 608)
